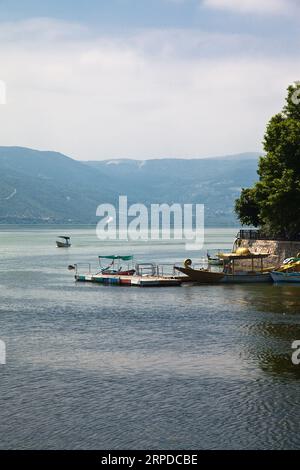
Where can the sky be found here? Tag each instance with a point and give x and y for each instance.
(104, 79)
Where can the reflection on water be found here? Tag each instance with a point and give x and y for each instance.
(111, 367)
(279, 365)
(271, 327)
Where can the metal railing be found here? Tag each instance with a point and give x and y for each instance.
(251, 234)
(79, 266)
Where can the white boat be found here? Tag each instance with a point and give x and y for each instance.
(214, 260)
(63, 242)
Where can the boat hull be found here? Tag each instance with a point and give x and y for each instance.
(63, 245)
(247, 278)
(201, 276)
(286, 277)
(208, 277)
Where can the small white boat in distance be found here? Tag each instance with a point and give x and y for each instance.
(214, 260)
(63, 242)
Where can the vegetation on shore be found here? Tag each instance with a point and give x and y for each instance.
(273, 203)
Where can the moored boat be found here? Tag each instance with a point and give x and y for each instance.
(229, 274)
(204, 276)
(289, 271)
(293, 277)
(115, 268)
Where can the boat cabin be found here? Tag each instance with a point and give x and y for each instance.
(230, 260)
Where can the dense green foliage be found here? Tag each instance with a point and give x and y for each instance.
(273, 203)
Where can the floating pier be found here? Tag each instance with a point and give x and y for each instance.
(135, 280)
(140, 275)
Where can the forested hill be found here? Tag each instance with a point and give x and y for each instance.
(48, 187)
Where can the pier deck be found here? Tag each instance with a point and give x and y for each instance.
(139, 281)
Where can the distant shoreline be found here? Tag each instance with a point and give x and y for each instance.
(92, 226)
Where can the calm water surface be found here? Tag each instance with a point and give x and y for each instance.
(107, 367)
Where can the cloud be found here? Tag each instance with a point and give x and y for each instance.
(148, 94)
(276, 7)
(45, 29)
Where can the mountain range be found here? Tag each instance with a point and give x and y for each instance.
(43, 187)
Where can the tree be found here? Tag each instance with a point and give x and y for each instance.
(273, 203)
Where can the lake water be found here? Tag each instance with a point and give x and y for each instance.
(108, 367)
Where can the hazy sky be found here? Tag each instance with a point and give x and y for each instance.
(145, 78)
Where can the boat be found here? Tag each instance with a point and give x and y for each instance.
(285, 277)
(214, 260)
(289, 271)
(63, 242)
(229, 274)
(115, 268)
